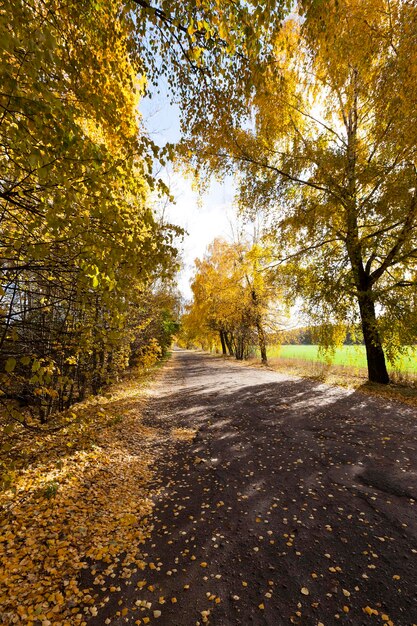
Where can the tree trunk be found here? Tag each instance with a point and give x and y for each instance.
(377, 369)
(240, 346)
(259, 328)
(262, 342)
(229, 343)
(223, 342)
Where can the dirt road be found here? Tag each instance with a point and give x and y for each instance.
(295, 503)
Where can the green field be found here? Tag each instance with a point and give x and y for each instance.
(353, 356)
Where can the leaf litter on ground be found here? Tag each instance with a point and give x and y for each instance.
(81, 495)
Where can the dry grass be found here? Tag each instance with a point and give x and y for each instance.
(403, 386)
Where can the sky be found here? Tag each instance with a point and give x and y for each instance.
(204, 218)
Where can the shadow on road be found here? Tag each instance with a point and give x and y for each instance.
(295, 503)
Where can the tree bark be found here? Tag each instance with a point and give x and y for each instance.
(259, 327)
(229, 343)
(262, 342)
(377, 369)
(239, 348)
(223, 342)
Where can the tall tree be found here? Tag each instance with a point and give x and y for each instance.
(329, 150)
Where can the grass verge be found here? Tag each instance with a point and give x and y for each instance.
(348, 356)
(403, 387)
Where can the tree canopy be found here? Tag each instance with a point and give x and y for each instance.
(328, 152)
(81, 246)
(234, 304)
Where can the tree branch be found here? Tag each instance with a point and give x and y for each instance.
(164, 17)
(401, 239)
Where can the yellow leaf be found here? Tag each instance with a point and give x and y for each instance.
(129, 519)
(370, 611)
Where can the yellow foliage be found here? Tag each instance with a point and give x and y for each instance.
(70, 507)
(150, 354)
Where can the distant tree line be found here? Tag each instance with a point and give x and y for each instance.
(309, 336)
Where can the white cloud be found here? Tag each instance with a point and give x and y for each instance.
(204, 218)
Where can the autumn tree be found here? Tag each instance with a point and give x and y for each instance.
(232, 300)
(80, 244)
(329, 152)
(217, 298)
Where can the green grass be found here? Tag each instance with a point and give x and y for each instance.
(353, 356)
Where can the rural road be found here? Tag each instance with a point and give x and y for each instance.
(294, 504)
